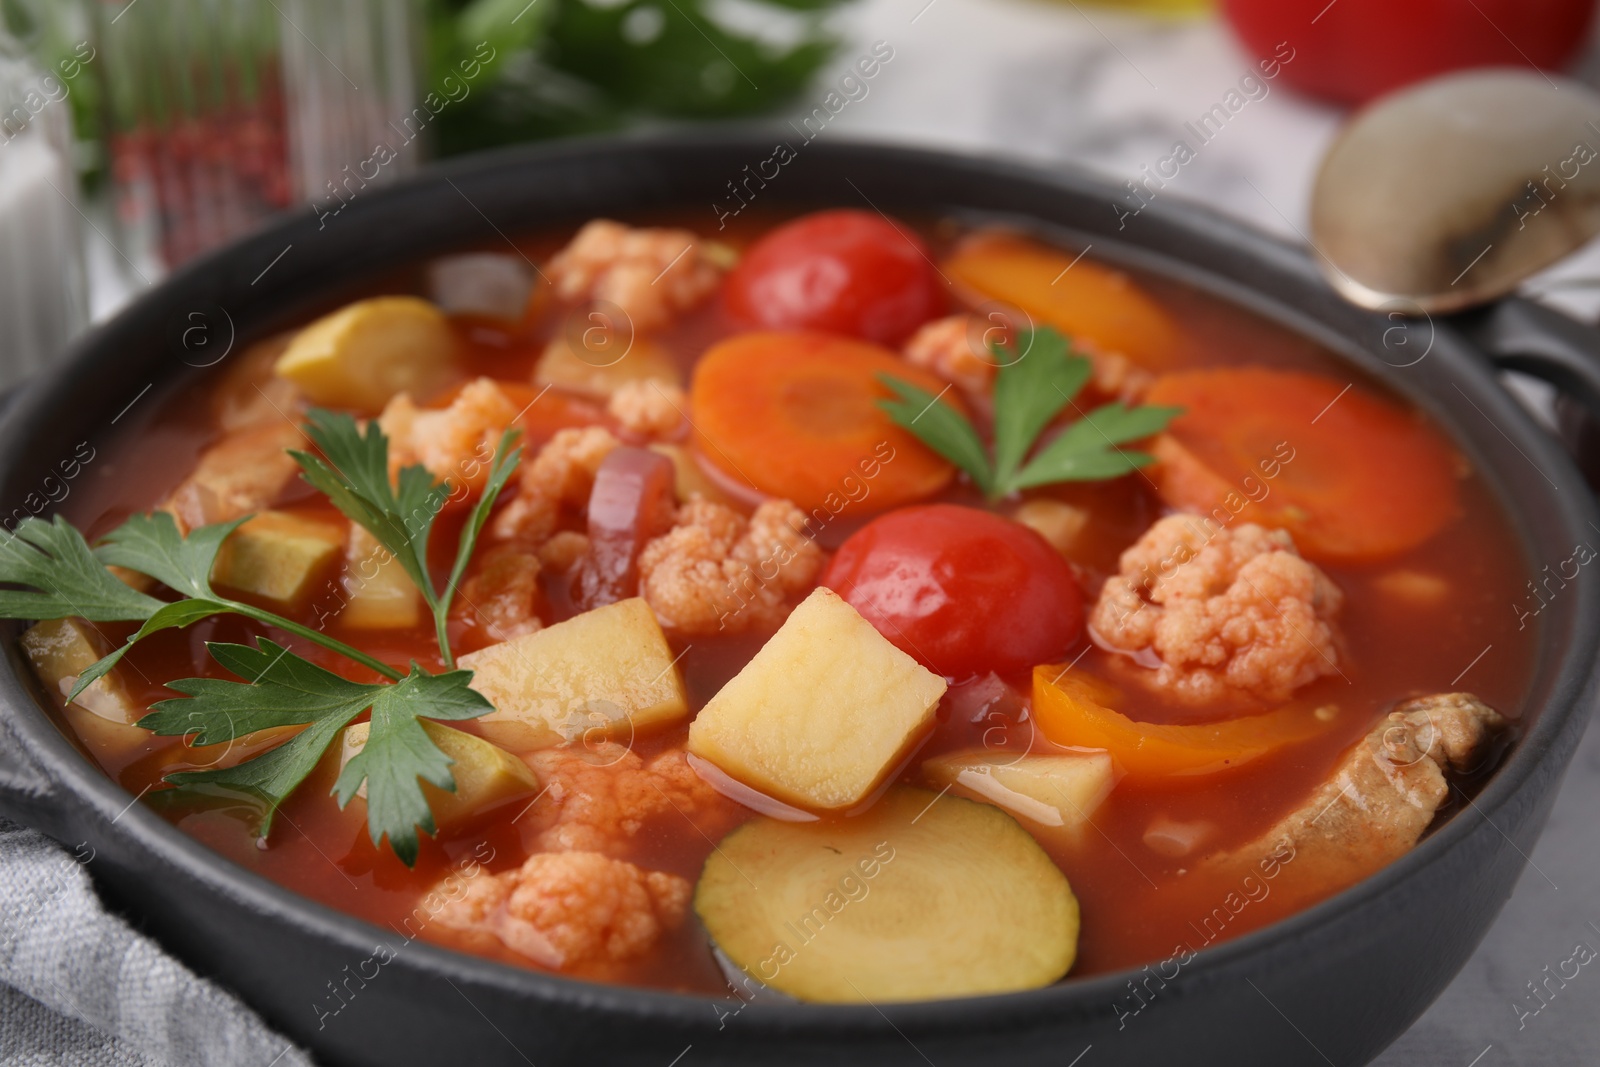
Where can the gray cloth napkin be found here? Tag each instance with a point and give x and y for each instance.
(78, 985)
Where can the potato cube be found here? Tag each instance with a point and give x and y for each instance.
(363, 354)
(1055, 789)
(278, 556)
(62, 649)
(379, 594)
(607, 672)
(823, 711)
(601, 371)
(1059, 523)
(486, 775)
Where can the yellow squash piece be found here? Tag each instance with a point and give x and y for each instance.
(1057, 790)
(601, 372)
(1079, 297)
(379, 594)
(62, 649)
(822, 712)
(605, 673)
(921, 897)
(363, 354)
(486, 775)
(278, 556)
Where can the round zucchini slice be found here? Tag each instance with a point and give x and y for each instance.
(923, 896)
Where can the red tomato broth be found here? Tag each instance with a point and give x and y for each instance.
(1138, 905)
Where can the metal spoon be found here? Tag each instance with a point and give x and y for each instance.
(1451, 193)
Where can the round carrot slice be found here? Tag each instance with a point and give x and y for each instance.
(796, 416)
(1353, 477)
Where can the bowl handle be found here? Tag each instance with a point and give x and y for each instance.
(1523, 336)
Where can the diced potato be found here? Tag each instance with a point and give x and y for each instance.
(822, 712)
(278, 556)
(606, 672)
(1055, 790)
(1057, 522)
(491, 284)
(363, 354)
(689, 477)
(379, 594)
(62, 649)
(486, 775)
(595, 374)
(918, 898)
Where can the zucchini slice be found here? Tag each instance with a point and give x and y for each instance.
(924, 896)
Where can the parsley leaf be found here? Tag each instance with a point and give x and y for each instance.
(285, 690)
(1030, 390)
(355, 476)
(63, 577)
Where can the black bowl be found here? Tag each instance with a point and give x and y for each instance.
(1335, 983)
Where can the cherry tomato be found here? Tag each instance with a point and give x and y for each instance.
(849, 272)
(1354, 50)
(963, 591)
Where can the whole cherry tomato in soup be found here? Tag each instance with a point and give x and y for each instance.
(963, 591)
(847, 272)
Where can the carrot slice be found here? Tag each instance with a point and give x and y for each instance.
(1351, 475)
(1073, 708)
(1082, 299)
(796, 416)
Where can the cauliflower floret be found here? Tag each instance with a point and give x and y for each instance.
(1228, 611)
(944, 347)
(565, 909)
(649, 408)
(1115, 374)
(715, 570)
(455, 442)
(651, 274)
(559, 477)
(242, 473)
(598, 797)
(502, 598)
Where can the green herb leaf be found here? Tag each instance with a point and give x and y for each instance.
(1088, 449)
(152, 545)
(940, 427)
(355, 476)
(282, 689)
(63, 577)
(176, 615)
(1029, 391)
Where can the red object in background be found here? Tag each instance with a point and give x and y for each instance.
(848, 272)
(1358, 49)
(963, 591)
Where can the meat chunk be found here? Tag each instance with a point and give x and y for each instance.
(242, 473)
(456, 442)
(567, 909)
(502, 598)
(598, 797)
(651, 274)
(649, 408)
(1228, 611)
(1379, 801)
(557, 480)
(250, 393)
(715, 570)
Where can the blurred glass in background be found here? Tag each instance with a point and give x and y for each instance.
(43, 300)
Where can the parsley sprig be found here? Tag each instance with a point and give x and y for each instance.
(50, 571)
(355, 476)
(1031, 388)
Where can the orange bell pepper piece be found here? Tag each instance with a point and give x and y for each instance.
(1073, 708)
